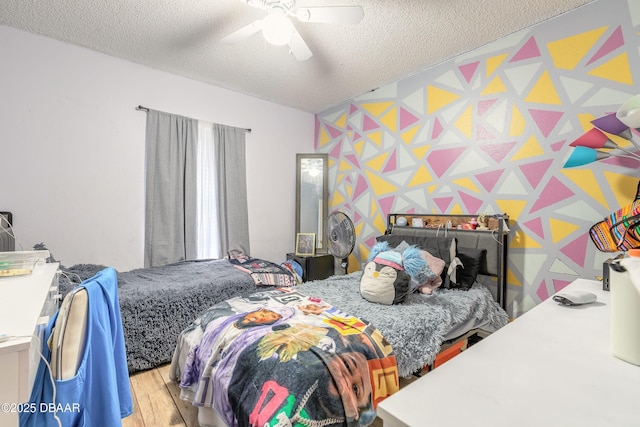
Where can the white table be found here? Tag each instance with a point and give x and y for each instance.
(27, 301)
(552, 366)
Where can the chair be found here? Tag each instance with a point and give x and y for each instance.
(82, 378)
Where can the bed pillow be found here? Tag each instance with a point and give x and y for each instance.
(445, 248)
(472, 260)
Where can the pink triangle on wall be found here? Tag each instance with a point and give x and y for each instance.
(352, 109)
(559, 285)
(406, 119)
(386, 204)
(528, 50)
(554, 192)
(542, 292)
(613, 42)
(437, 129)
(361, 187)
(369, 124)
(443, 203)
(334, 132)
(391, 163)
(357, 217)
(335, 151)
(468, 70)
(557, 146)
(497, 151)
(535, 225)
(489, 179)
(353, 160)
(546, 120)
(483, 134)
(472, 204)
(441, 160)
(535, 171)
(484, 106)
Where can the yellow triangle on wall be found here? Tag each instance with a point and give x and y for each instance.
(568, 52)
(378, 162)
(344, 165)
(623, 187)
(617, 70)
(324, 137)
(465, 122)
(561, 229)
(358, 147)
(373, 208)
(408, 135)
(543, 91)
(530, 148)
(377, 108)
(438, 98)
(376, 138)
(513, 208)
(379, 223)
(390, 119)
(518, 122)
(342, 121)
(522, 240)
(587, 181)
(495, 86)
(420, 152)
(494, 62)
(421, 177)
(456, 210)
(467, 183)
(512, 279)
(336, 198)
(379, 185)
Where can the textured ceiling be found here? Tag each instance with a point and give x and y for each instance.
(395, 39)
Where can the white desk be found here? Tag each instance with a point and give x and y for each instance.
(550, 367)
(25, 302)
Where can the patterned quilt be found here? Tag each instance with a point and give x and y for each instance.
(280, 358)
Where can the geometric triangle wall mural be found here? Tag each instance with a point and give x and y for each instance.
(489, 131)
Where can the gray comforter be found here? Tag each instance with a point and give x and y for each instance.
(158, 303)
(416, 328)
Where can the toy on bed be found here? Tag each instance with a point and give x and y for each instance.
(390, 272)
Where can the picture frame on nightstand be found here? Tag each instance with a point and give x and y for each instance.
(305, 244)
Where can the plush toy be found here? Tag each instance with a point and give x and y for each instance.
(387, 276)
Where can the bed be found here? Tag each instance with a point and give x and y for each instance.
(268, 373)
(157, 303)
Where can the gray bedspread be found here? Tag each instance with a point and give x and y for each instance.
(416, 328)
(158, 303)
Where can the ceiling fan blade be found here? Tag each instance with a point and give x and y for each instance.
(299, 48)
(243, 33)
(334, 14)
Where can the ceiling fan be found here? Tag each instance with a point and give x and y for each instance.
(278, 29)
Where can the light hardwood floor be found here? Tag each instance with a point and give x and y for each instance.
(157, 403)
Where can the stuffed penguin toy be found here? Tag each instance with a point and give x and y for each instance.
(387, 276)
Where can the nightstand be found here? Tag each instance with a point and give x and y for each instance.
(316, 267)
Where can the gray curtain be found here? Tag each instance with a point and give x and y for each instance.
(233, 214)
(170, 213)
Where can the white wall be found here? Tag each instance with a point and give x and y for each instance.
(72, 150)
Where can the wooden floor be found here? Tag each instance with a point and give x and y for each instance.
(156, 401)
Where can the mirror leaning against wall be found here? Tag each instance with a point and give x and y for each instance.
(312, 196)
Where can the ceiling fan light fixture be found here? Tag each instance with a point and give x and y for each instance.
(277, 28)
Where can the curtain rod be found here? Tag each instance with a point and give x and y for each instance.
(145, 109)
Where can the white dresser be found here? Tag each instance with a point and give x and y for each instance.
(26, 303)
(552, 366)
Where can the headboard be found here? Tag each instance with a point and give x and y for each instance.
(494, 239)
(7, 241)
